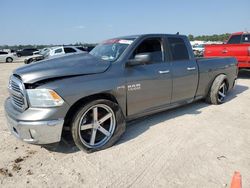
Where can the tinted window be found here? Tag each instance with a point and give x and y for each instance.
(29, 49)
(235, 39)
(89, 48)
(59, 50)
(178, 48)
(3, 53)
(69, 50)
(81, 48)
(152, 46)
(246, 38)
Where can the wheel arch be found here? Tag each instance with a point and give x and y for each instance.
(86, 100)
(212, 81)
(226, 79)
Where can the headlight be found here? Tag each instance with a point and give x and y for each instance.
(44, 98)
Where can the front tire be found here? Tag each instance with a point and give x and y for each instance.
(97, 125)
(218, 90)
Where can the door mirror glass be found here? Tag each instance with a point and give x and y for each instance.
(140, 59)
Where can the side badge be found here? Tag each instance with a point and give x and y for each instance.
(134, 87)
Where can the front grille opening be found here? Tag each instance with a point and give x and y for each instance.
(17, 92)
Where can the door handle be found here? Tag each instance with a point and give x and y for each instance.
(191, 68)
(164, 72)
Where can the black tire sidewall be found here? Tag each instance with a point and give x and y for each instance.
(11, 60)
(119, 129)
(215, 89)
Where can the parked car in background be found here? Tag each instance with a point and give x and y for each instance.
(33, 58)
(26, 52)
(198, 50)
(82, 48)
(92, 95)
(89, 48)
(7, 57)
(37, 56)
(48, 53)
(41, 51)
(237, 46)
(62, 50)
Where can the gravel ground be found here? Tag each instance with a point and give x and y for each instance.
(197, 145)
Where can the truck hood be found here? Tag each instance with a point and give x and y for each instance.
(69, 65)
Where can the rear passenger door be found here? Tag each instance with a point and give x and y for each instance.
(184, 70)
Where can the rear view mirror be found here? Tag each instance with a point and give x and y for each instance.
(140, 59)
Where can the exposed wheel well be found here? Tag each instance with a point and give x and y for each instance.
(85, 100)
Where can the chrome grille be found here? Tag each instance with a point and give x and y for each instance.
(17, 93)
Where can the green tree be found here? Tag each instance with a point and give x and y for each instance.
(191, 37)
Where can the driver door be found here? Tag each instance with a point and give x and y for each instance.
(149, 86)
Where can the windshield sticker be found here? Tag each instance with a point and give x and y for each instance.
(111, 41)
(125, 41)
(119, 41)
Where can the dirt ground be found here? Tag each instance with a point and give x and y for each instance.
(198, 145)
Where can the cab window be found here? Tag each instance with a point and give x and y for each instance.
(59, 50)
(235, 39)
(246, 38)
(153, 46)
(69, 50)
(3, 53)
(178, 49)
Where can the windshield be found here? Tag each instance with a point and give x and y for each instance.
(111, 50)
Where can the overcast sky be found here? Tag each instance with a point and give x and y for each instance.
(70, 21)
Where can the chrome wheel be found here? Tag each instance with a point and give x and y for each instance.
(222, 92)
(97, 126)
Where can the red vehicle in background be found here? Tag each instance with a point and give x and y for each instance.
(238, 46)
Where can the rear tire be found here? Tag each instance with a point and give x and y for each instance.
(218, 90)
(97, 125)
(9, 60)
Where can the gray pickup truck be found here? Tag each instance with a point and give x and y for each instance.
(92, 96)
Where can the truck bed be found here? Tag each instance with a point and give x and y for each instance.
(209, 68)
